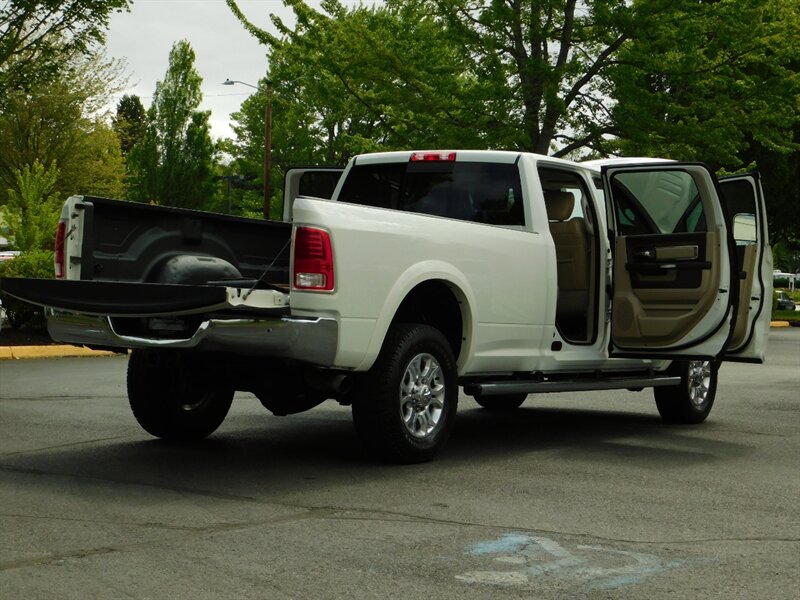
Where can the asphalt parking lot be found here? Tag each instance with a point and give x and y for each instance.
(573, 496)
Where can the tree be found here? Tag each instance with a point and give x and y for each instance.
(32, 210)
(715, 81)
(32, 214)
(62, 121)
(780, 172)
(130, 122)
(707, 79)
(546, 64)
(718, 82)
(519, 74)
(174, 161)
(37, 38)
(329, 103)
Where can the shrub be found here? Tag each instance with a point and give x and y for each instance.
(36, 264)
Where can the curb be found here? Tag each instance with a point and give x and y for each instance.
(24, 352)
(779, 324)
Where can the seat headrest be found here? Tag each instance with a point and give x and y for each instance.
(559, 205)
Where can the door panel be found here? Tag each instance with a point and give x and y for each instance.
(745, 216)
(671, 277)
(658, 301)
(746, 259)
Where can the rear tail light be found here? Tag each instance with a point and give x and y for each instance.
(433, 156)
(59, 255)
(313, 260)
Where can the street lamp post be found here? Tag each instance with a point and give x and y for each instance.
(267, 142)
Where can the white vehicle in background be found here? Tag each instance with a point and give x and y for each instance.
(504, 273)
(4, 256)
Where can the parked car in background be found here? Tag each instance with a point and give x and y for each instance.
(8, 254)
(784, 301)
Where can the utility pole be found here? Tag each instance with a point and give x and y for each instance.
(267, 142)
(268, 152)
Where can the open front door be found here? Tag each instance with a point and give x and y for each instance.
(745, 215)
(317, 182)
(672, 291)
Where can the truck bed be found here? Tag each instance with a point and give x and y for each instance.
(133, 242)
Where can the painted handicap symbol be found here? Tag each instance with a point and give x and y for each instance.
(521, 558)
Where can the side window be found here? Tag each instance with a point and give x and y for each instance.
(657, 202)
(495, 193)
(566, 196)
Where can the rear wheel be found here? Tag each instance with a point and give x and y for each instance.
(406, 405)
(173, 396)
(691, 401)
(501, 403)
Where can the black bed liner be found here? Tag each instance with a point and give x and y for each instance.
(114, 298)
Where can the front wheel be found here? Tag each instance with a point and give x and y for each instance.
(691, 401)
(406, 405)
(174, 397)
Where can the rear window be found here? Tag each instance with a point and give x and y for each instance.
(469, 191)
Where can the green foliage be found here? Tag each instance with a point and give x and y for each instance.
(544, 68)
(447, 73)
(32, 211)
(353, 81)
(173, 162)
(792, 317)
(36, 264)
(359, 80)
(39, 38)
(718, 82)
(781, 173)
(704, 80)
(786, 257)
(130, 122)
(58, 122)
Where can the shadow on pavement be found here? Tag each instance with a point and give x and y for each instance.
(292, 454)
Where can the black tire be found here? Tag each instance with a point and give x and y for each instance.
(173, 397)
(405, 406)
(691, 401)
(504, 403)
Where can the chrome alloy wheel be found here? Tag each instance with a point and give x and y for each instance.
(699, 381)
(422, 395)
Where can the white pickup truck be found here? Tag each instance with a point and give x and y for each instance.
(504, 273)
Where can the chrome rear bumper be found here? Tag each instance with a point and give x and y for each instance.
(311, 340)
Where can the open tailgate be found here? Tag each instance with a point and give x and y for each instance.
(124, 299)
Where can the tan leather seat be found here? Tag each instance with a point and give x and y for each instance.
(572, 254)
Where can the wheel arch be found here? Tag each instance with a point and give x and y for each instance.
(435, 296)
(435, 303)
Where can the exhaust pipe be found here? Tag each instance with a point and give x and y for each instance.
(329, 382)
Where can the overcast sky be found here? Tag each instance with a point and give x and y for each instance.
(223, 49)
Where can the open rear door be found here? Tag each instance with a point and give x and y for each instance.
(672, 290)
(317, 182)
(745, 215)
